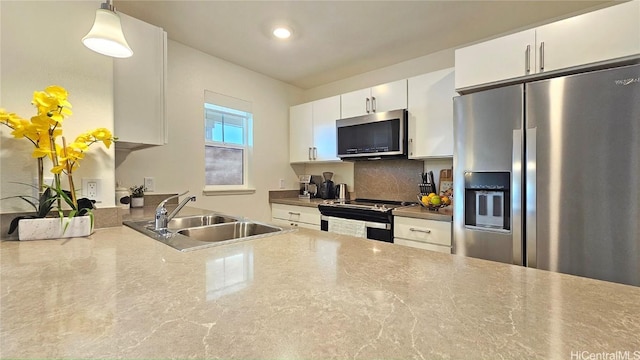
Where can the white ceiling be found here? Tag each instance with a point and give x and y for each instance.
(334, 40)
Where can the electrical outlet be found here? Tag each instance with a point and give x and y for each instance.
(150, 184)
(92, 189)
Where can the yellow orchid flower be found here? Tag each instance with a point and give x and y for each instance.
(44, 129)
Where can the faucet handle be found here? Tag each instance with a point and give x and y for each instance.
(164, 202)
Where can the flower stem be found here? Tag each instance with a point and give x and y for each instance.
(40, 176)
(72, 187)
(54, 160)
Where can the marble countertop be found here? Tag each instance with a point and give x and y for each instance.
(298, 202)
(419, 212)
(303, 294)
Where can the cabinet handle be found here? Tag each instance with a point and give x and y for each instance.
(373, 104)
(294, 213)
(310, 158)
(367, 105)
(315, 153)
(420, 230)
(527, 59)
(542, 56)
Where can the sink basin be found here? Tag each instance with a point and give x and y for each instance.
(201, 231)
(199, 220)
(228, 231)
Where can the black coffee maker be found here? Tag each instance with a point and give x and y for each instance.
(327, 188)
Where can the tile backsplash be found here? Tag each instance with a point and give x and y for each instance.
(388, 179)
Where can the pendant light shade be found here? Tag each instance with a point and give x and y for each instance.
(106, 37)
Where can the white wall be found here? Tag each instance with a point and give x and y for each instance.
(40, 46)
(179, 166)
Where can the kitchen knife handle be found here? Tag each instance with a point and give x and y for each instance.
(527, 59)
(420, 230)
(368, 105)
(373, 104)
(542, 56)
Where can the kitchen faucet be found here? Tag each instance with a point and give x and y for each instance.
(162, 219)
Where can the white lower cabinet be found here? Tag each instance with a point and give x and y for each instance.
(300, 216)
(423, 234)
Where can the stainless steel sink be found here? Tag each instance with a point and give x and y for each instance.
(201, 231)
(228, 231)
(199, 220)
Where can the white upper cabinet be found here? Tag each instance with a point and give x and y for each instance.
(507, 57)
(601, 35)
(385, 97)
(139, 86)
(312, 130)
(300, 132)
(325, 113)
(430, 107)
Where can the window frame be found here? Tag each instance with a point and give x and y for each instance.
(219, 105)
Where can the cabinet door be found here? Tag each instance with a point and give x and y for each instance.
(421, 245)
(325, 113)
(300, 133)
(503, 58)
(139, 85)
(601, 35)
(390, 96)
(431, 114)
(355, 103)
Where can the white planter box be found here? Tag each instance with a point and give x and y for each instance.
(137, 202)
(54, 228)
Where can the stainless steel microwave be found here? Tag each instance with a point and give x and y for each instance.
(373, 136)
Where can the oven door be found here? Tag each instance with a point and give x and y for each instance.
(358, 228)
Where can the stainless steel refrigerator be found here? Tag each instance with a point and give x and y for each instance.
(547, 174)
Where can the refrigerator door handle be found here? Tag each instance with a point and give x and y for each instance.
(531, 198)
(516, 197)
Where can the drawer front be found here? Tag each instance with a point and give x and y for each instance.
(294, 224)
(421, 245)
(302, 214)
(426, 231)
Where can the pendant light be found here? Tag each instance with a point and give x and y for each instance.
(106, 37)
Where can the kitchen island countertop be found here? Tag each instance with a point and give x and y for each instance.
(303, 294)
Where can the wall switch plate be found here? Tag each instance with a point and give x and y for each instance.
(150, 184)
(92, 189)
(282, 184)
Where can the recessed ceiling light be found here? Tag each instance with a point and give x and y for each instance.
(282, 32)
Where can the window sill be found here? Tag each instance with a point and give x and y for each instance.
(216, 192)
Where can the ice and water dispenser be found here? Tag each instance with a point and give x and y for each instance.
(487, 198)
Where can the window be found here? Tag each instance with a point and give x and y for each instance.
(228, 140)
